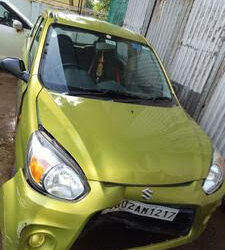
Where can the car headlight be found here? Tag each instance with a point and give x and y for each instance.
(215, 177)
(52, 171)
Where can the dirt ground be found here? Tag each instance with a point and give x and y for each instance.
(7, 124)
(212, 239)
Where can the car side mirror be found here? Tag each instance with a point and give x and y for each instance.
(16, 67)
(17, 25)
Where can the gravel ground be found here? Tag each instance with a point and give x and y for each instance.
(212, 239)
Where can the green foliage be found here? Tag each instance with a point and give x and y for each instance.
(102, 6)
(89, 4)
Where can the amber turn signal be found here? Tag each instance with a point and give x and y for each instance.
(36, 169)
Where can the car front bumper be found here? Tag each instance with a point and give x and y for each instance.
(30, 219)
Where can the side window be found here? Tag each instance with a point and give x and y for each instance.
(36, 25)
(8, 15)
(6, 18)
(34, 45)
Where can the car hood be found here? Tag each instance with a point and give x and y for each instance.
(127, 143)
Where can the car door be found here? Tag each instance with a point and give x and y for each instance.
(11, 39)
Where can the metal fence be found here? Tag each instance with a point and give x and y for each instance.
(189, 36)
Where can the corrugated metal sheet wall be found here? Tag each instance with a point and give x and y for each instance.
(198, 50)
(137, 15)
(213, 117)
(189, 36)
(168, 21)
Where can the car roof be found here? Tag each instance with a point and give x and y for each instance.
(94, 24)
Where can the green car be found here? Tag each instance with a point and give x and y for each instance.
(106, 158)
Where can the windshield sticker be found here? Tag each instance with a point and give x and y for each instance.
(110, 42)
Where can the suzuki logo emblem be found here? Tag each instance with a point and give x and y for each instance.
(146, 193)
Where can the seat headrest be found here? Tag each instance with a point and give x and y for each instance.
(64, 40)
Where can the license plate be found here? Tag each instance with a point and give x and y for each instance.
(142, 209)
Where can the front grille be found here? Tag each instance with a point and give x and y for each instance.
(122, 230)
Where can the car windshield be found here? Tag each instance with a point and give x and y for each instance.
(93, 64)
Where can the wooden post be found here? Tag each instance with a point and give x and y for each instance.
(71, 2)
(80, 7)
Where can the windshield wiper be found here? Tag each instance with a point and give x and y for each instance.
(130, 95)
(81, 91)
(160, 98)
(103, 92)
(119, 94)
(115, 94)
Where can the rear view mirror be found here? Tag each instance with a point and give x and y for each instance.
(16, 67)
(17, 25)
